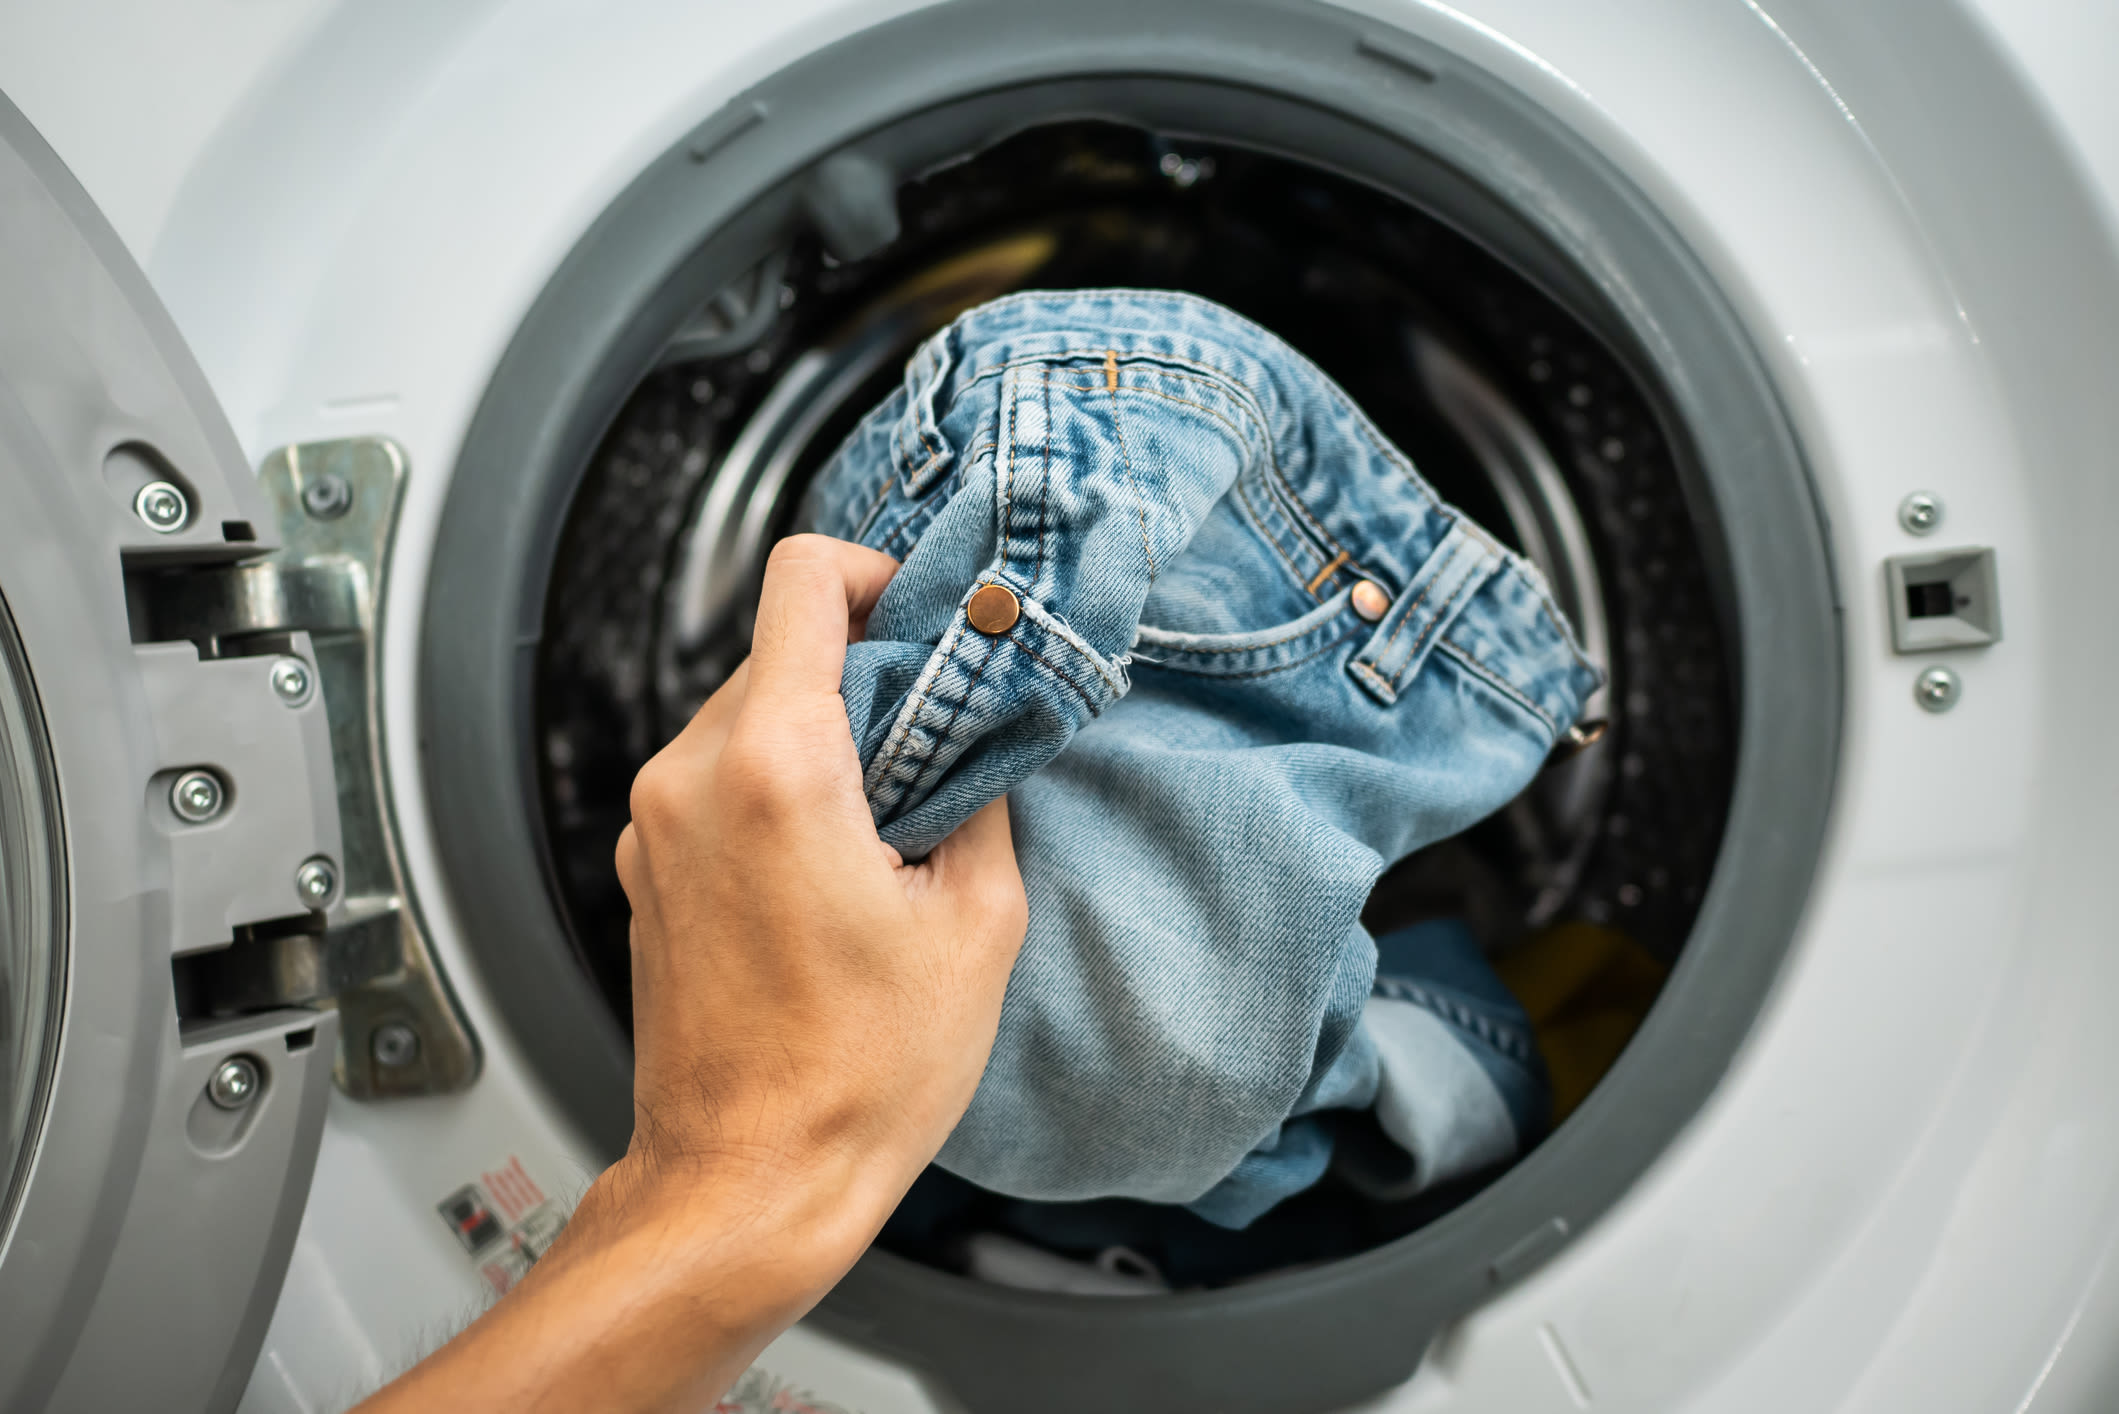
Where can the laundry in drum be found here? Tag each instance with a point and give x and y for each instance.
(1230, 658)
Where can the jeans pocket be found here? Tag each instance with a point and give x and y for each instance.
(1254, 652)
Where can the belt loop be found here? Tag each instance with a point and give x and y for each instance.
(922, 450)
(1424, 611)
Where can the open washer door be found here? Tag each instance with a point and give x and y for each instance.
(166, 803)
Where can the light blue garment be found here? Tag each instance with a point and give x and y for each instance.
(1210, 754)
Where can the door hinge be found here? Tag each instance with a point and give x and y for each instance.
(311, 607)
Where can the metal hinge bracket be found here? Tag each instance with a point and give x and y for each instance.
(366, 951)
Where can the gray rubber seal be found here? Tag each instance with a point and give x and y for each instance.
(1302, 80)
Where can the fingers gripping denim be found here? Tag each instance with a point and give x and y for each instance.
(1210, 753)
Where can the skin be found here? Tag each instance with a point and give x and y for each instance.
(811, 1016)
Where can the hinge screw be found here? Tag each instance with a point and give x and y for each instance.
(328, 497)
(234, 1083)
(316, 882)
(292, 681)
(1937, 689)
(394, 1044)
(163, 506)
(197, 796)
(1920, 512)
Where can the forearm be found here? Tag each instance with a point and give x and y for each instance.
(659, 1294)
(810, 1017)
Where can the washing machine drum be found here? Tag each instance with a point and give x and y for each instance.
(1503, 304)
(166, 791)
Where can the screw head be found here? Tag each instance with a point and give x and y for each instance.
(197, 796)
(1937, 689)
(163, 506)
(394, 1044)
(293, 682)
(234, 1083)
(316, 882)
(328, 497)
(1920, 512)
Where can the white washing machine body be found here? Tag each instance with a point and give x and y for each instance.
(1903, 1192)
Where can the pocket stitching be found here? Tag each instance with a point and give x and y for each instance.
(1499, 683)
(1054, 669)
(901, 730)
(1289, 637)
(928, 759)
(1441, 617)
(1322, 649)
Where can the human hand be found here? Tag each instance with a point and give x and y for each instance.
(810, 1016)
(801, 996)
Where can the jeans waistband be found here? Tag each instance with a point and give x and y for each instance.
(1330, 493)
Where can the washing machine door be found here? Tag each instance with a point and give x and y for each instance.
(169, 842)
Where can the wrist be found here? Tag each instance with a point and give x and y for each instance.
(770, 1229)
(663, 1287)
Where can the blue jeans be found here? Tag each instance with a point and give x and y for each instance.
(1251, 661)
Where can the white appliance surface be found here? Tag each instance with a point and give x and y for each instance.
(1906, 1193)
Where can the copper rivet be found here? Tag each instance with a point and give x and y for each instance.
(993, 609)
(1370, 600)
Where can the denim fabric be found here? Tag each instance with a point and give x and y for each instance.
(1210, 753)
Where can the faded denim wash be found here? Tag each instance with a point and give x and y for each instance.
(1210, 754)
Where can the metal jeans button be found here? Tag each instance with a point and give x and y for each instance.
(993, 610)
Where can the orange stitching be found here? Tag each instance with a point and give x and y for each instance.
(1389, 692)
(1471, 582)
(1229, 383)
(894, 746)
(1493, 679)
(1044, 495)
(1053, 668)
(1118, 430)
(1412, 608)
(1111, 370)
(1258, 522)
(1223, 383)
(1221, 380)
(1322, 649)
(1006, 510)
(875, 508)
(1288, 637)
(1273, 461)
(929, 758)
(1214, 413)
(927, 382)
(1232, 385)
(1327, 572)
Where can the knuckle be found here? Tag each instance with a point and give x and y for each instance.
(658, 798)
(750, 780)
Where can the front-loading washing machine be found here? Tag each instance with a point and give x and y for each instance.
(343, 598)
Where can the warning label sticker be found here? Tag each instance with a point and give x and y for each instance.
(762, 1392)
(504, 1221)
